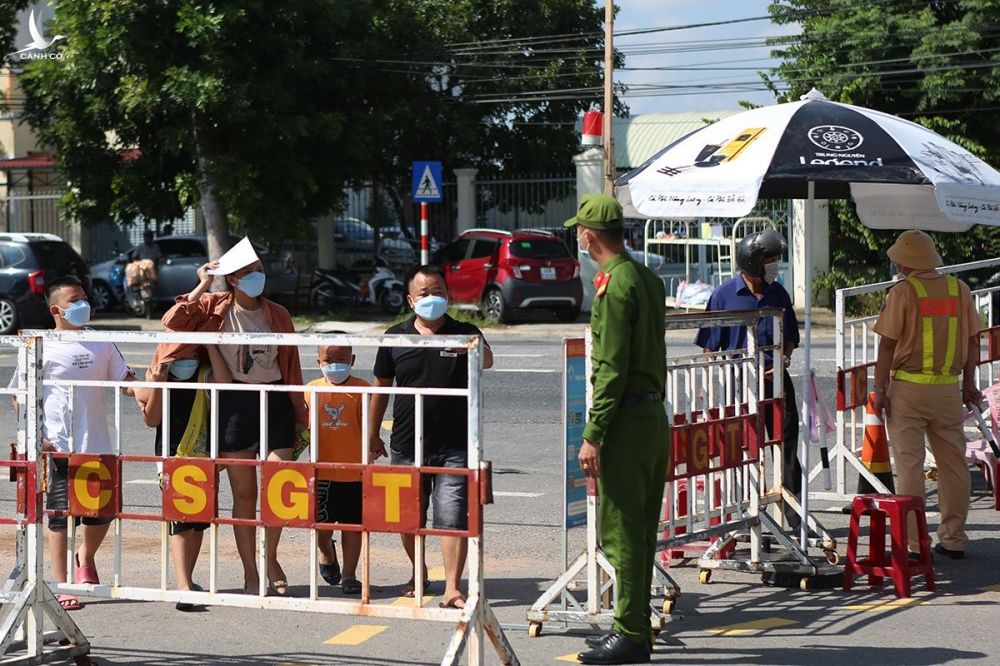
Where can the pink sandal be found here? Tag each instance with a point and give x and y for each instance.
(86, 575)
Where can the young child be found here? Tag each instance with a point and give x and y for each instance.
(93, 361)
(338, 492)
(189, 436)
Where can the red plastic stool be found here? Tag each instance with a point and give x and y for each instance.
(896, 563)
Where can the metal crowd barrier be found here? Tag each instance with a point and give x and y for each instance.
(392, 498)
(720, 484)
(856, 352)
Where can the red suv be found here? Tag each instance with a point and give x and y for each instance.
(503, 271)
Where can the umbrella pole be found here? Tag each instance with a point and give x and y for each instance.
(807, 364)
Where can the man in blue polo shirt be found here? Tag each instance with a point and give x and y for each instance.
(757, 287)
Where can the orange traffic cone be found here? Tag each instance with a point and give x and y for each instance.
(875, 451)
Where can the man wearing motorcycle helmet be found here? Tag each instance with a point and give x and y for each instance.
(756, 287)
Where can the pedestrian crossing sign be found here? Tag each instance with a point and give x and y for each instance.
(427, 182)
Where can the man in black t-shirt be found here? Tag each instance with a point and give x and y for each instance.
(445, 419)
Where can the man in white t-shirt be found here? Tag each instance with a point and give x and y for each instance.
(84, 429)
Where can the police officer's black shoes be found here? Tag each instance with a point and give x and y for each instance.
(616, 649)
(596, 641)
(953, 554)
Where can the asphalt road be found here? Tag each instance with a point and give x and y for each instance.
(734, 620)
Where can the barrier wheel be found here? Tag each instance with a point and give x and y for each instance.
(705, 576)
(832, 556)
(805, 584)
(534, 629)
(668, 606)
(931, 474)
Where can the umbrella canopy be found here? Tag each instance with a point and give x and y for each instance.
(901, 175)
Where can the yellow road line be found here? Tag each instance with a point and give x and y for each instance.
(410, 602)
(436, 574)
(387, 424)
(357, 634)
(568, 657)
(762, 624)
(885, 605)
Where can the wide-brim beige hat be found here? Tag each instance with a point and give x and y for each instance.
(915, 249)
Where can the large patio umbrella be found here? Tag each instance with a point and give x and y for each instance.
(899, 174)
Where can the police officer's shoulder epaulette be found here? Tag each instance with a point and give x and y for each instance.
(601, 283)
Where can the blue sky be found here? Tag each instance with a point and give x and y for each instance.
(642, 14)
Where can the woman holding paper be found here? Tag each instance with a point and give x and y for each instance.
(243, 310)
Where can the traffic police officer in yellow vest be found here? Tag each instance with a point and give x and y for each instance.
(924, 373)
(626, 443)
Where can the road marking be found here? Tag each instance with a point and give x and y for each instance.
(357, 634)
(885, 605)
(569, 657)
(510, 493)
(990, 588)
(532, 370)
(147, 482)
(410, 602)
(436, 574)
(762, 624)
(387, 424)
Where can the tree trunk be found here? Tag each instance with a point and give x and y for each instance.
(216, 219)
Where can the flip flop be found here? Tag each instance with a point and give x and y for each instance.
(68, 602)
(330, 573)
(410, 589)
(453, 602)
(279, 587)
(86, 575)
(187, 606)
(351, 586)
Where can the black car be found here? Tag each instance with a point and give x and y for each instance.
(28, 262)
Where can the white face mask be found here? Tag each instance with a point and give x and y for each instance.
(579, 242)
(771, 272)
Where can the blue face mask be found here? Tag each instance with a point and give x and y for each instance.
(77, 314)
(430, 308)
(252, 284)
(336, 373)
(184, 369)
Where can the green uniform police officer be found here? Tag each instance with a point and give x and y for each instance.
(625, 445)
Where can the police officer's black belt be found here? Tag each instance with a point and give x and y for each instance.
(640, 398)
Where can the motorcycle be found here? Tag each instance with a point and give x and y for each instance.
(139, 290)
(385, 290)
(333, 288)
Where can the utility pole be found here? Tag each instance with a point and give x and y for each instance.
(609, 100)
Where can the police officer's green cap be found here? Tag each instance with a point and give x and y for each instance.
(597, 211)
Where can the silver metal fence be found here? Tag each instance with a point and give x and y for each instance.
(473, 623)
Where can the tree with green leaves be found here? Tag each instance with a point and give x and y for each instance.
(935, 63)
(491, 84)
(261, 113)
(8, 23)
(159, 105)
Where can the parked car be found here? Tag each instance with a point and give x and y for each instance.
(502, 272)
(177, 272)
(395, 232)
(29, 262)
(355, 246)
